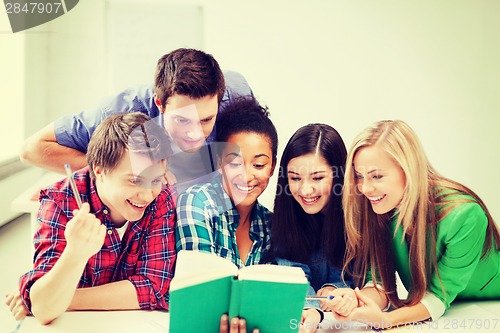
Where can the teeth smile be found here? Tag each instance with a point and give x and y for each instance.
(310, 200)
(376, 198)
(137, 205)
(245, 188)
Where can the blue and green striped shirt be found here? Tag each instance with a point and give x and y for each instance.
(207, 221)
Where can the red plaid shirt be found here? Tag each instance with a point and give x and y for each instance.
(145, 256)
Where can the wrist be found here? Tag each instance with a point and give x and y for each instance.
(388, 320)
(329, 285)
(316, 311)
(326, 288)
(73, 257)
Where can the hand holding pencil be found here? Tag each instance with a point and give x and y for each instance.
(339, 300)
(84, 233)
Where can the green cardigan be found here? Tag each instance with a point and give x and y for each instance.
(460, 239)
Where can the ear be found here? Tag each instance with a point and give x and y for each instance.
(98, 171)
(158, 102)
(272, 168)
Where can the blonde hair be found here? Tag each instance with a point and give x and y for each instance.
(368, 236)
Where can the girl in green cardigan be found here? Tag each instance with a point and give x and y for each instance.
(402, 216)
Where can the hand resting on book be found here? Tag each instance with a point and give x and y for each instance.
(237, 325)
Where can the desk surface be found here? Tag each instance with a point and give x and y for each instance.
(101, 321)
(461, 317)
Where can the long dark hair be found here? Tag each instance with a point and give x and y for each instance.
(296, 234)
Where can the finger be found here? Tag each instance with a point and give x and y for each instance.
(332, 305)
(90, 226)
(82, 211)
(345, 301)
(93, 224)
(354, 303)
(12, 305)
(235, 322)
(79, 216)
(102, 232)
(224, 321)
(8, 298)
(339, 317)
(243, 326)
(20, 313)
(366, 300)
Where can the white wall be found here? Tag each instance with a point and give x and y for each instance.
(11, 89)
(431, 63)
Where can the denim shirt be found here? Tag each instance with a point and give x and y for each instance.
(319, 272)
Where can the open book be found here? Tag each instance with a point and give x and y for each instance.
(206, 286)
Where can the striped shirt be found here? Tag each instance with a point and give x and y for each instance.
(207, 221)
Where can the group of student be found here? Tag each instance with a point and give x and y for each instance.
(349, 219)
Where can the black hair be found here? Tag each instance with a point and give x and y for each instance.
(296, 234)
(245, 114)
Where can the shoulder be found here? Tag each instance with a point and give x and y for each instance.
(463, 217)
(236, 85)
(263, 217)
(138, 98)
(140, 91)
(263, 210)
(58, 200)
(166, 198)
(60, 190)
(201, 193)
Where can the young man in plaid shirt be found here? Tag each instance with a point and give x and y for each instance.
(117, 251)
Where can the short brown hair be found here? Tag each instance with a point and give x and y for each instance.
(135, 132)
(188, 72)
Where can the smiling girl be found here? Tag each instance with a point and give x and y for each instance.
(308, 221)
(224, 216)
(402, 216)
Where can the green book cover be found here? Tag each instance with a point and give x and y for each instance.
(206, 286)
(268, 306)
(198, 308)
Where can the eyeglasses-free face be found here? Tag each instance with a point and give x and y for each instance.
(310, 180)
(379, 178)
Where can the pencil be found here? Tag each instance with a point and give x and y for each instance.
(69, 173)
(318, 298)
(18, 326)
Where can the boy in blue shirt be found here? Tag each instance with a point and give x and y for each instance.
(189, 91)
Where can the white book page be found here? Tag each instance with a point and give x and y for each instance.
(272, 273)
(194, 267)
